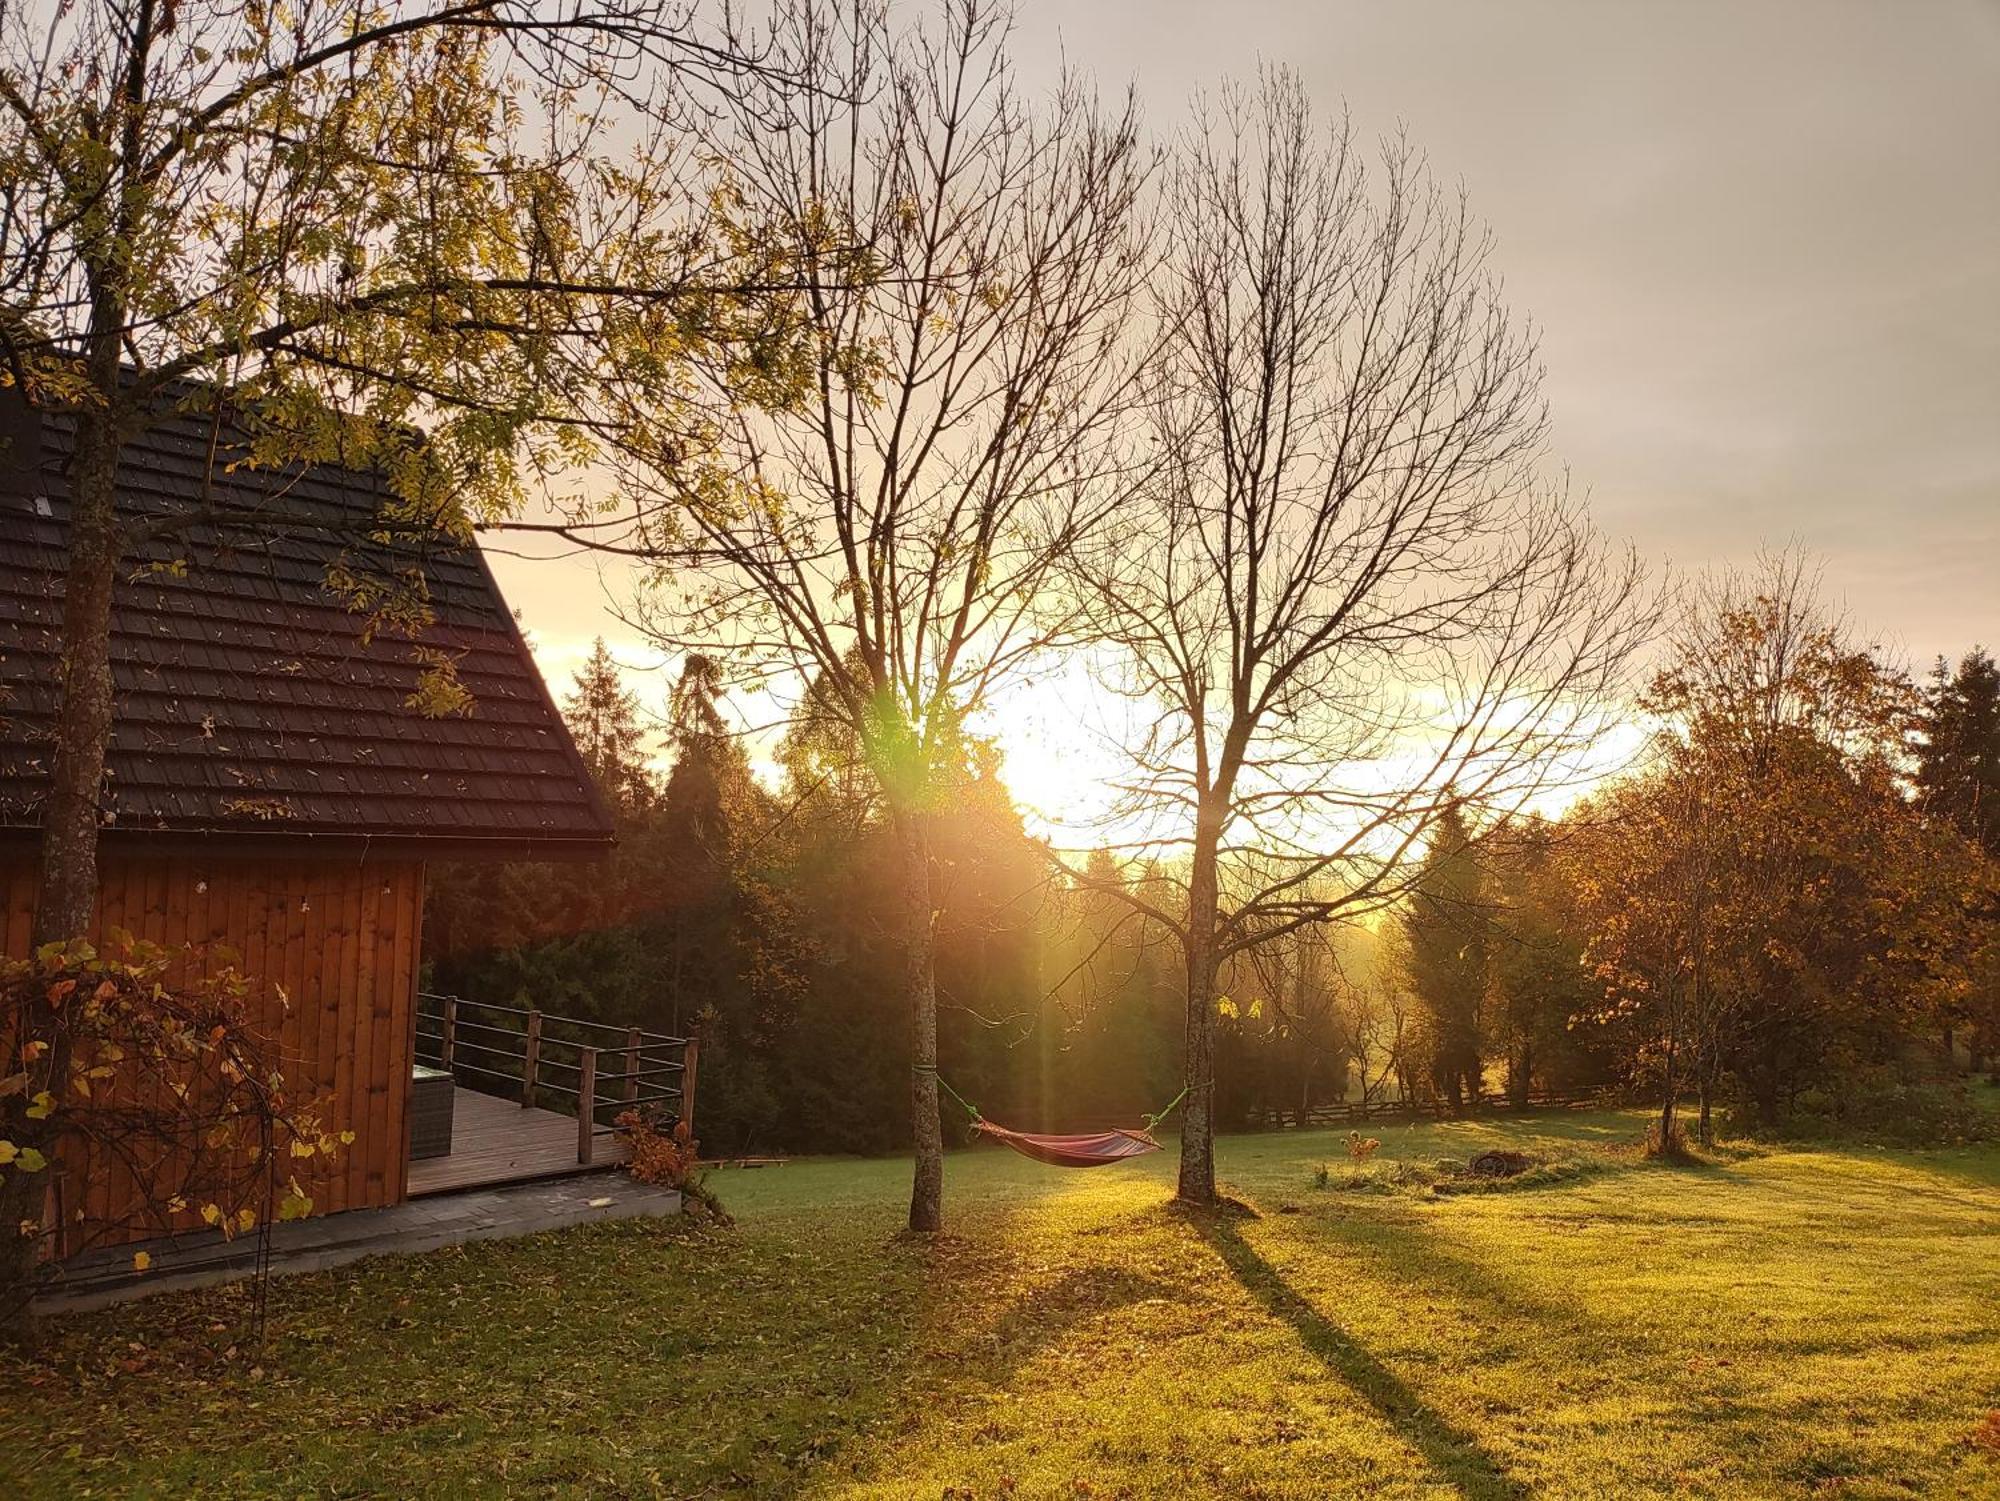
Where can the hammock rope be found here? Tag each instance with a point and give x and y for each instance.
(1093, 1149)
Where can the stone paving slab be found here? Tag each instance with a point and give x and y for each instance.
(105, 1276)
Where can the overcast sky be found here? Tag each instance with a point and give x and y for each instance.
(1761, 240)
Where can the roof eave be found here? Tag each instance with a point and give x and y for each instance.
(341, 844)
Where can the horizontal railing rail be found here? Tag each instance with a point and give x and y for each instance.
(591, 1069)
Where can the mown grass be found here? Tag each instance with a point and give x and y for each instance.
(1774, 1323)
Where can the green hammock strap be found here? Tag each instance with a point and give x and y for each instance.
(1153, 1120)
(971, 1110)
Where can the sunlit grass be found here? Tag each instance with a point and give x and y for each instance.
(1775, 1323)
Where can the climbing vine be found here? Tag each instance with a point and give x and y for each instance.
(137, 1099)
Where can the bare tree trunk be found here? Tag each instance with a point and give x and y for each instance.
(1670, 1091)
(68, 897)
(920, 980)
(1197, 1179)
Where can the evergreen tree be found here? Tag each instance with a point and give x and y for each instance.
(1539, 981)
(1447, 957)
(708, 800)
(604, 720)
(1958, 775)
(1958, 755)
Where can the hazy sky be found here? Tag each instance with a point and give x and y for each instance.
(1762, 242)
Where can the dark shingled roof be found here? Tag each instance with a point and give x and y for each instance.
(248, 705)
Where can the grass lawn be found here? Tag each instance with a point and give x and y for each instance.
(1778, 1323)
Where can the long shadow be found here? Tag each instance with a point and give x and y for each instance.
(1457, 1457)
(1408, 1251)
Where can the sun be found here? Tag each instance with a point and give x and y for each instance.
(1059, 734)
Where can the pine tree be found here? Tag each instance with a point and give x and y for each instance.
(1958, 758)
(708, 801)
(604, 719)
(1447, 937)
(709, 789)
(1958, 774)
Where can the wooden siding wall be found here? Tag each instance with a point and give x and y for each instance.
(331, 947)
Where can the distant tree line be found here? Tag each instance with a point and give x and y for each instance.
(1786, 913)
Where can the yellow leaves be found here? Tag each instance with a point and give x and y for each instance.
(246, 1218)
(211, 1214)
(141, 1261)
(302, 1148)
(439, 694)
(22, 1159)
(42, 1106)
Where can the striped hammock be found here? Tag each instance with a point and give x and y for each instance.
(1098, 1149)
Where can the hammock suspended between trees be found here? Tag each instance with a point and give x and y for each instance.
(1094, 1149)
(1100, 1149)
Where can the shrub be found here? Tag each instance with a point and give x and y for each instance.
(1436, 1177)
(664, 1158)
(1671, 1146)
(668, 1158)
(1887, 1109)
(132, 1066)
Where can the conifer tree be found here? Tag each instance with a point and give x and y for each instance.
(1958, 760)
(604, 720)
(1447, 956)
(1958, 775)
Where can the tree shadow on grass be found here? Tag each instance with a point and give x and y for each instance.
(1456, 1457)
(1408, 1251)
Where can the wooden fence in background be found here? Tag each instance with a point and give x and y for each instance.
(1354, 1112)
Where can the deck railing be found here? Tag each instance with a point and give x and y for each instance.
(593, 1070)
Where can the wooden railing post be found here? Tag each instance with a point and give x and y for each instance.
(531, 1058)
(445, 1028)
(690, 1056)
(635, 1042)
(586, 1104)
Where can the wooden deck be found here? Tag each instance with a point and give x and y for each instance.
(497, 1141)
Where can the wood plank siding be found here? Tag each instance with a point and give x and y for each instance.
(331, 947)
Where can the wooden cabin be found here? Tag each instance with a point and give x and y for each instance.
(269, 787)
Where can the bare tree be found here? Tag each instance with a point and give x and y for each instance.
(879, 558)
(1350, 595)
